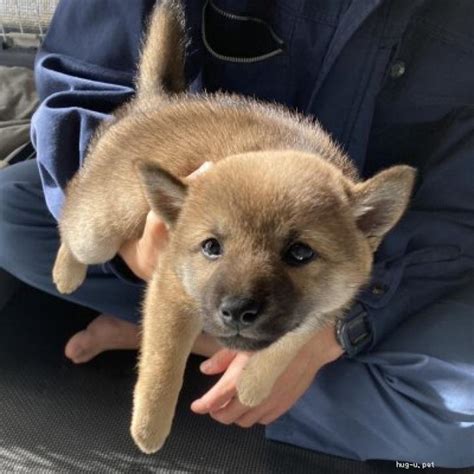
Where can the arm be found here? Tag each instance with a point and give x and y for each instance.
(431, 251)
(434, 249)
(84, 70)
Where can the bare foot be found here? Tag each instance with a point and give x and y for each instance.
(107, 333)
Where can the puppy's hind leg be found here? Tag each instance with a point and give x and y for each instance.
(68, 272)
(81, 245)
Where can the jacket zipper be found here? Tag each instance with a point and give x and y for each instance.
(232, 16)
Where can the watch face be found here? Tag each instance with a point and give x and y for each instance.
(354, 334)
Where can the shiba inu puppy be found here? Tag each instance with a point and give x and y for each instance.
(265, 248)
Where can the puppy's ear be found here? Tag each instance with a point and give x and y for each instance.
(380, 201)
(165, 192)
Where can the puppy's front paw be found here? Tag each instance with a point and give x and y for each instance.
(253, 387)
(148, 436)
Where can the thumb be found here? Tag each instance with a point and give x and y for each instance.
(206, 166)
(155, 233)
(218, 363)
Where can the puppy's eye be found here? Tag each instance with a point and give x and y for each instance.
(211, 248)
(299, 254)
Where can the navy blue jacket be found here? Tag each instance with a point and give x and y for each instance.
(392, 81)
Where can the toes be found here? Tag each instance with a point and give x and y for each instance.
(147, 440)
(151, 418)
(78, 349)
(114, 333)
(67, 284)
(104, 333)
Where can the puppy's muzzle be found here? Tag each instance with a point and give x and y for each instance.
(240, 313)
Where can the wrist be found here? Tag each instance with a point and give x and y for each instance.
(333, 348)
(119, 268)
(129, 253)
(325, 346)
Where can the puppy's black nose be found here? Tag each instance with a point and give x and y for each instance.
(239, 313)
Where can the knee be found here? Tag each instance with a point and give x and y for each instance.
(10, 196)
(434, 414)
(404, 406)
(87, 237)
(89, 248)
(23, 227)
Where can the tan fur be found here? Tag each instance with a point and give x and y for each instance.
(168, 318)
(256, 381)
(277, 176)
(165, 34)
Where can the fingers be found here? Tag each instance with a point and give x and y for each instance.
(218, 363)
(243, 416)
(288, 389)
(276, 405)
(230, 413)
(264, 414)
(215, 398)
(155, 231)
(223, 405)
(224, 390)
(253, 416)
(206, 166)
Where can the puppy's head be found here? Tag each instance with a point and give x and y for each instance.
(269, 241)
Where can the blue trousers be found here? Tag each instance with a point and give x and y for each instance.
(410, 399)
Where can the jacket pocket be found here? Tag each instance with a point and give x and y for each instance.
(244, 53)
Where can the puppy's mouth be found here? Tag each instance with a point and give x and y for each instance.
(242, 343)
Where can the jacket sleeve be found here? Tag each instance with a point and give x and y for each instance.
(431, 250)
(84, 70)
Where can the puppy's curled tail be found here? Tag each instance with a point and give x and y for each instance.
(161, 67)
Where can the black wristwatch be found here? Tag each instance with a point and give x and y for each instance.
(353, 332)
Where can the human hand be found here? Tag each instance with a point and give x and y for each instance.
(141, 255)
(221, 401)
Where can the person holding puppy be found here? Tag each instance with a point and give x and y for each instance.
(371, 387)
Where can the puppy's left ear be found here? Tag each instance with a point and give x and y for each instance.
(165, 192)
(379, 202)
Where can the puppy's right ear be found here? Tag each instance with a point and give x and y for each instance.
(165, 192)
